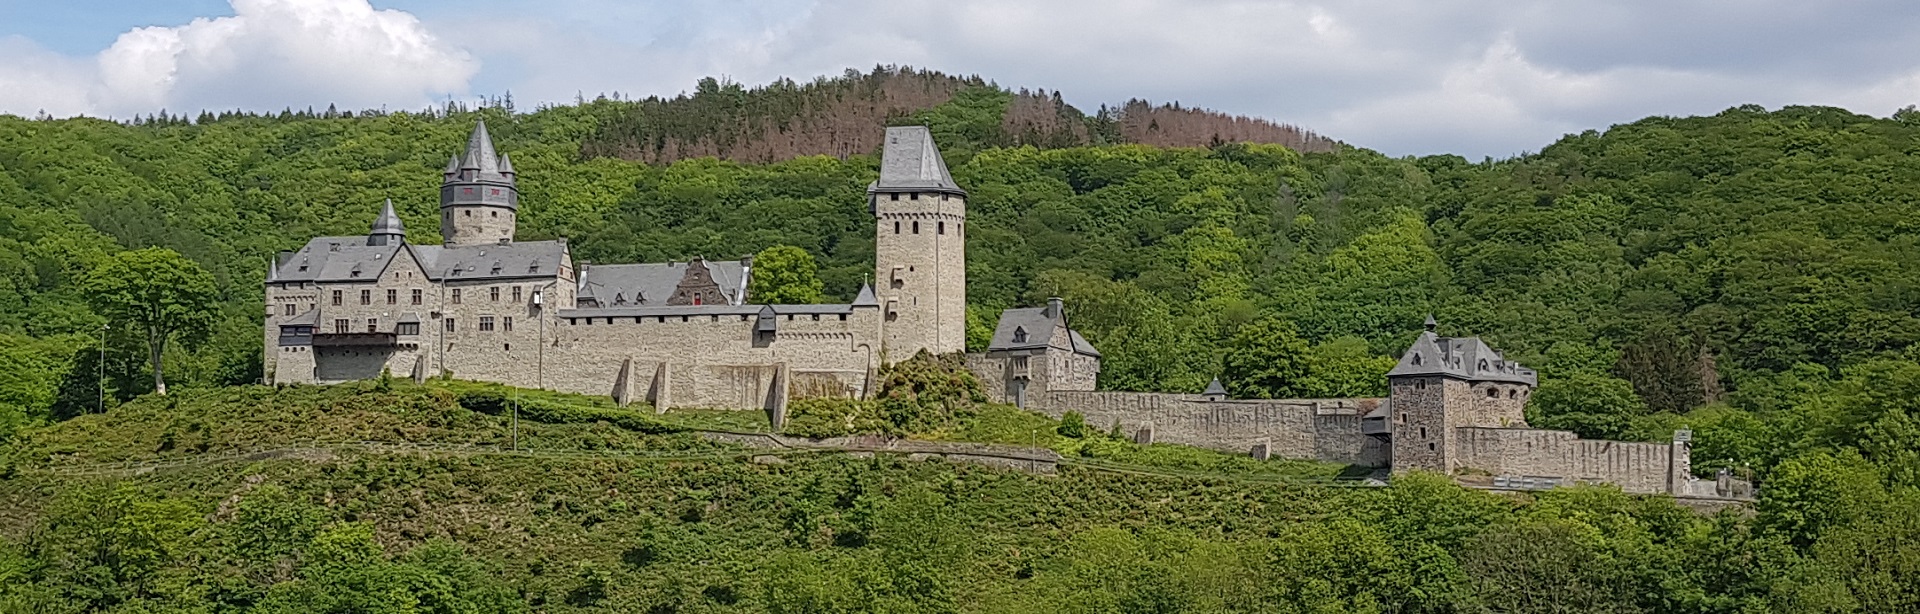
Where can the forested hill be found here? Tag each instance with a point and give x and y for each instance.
(844, 116)
(1761, 264)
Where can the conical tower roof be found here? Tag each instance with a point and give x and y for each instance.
(506, 165)
(480, 154)
(866, 297)
(387, 225)
(1214, 389)
(453, 165)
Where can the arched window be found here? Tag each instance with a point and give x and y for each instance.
(1416, 362)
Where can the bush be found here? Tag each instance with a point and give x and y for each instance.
(496, 403)
(821, 418)
(1072, 425)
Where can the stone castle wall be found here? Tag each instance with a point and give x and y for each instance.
(1635, 467)
(1324, 429)
(712, 360)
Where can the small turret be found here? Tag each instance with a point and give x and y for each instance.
(387, 229)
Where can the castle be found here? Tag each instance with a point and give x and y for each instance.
(483, 306)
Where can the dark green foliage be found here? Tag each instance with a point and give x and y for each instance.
(785, 275)
(1072, 425)
(1593, 405)
(921, 395)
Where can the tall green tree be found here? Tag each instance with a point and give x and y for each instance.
(156, 291)
(1266, 360)
(785, 275)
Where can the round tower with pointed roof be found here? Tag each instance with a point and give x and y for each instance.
(387, 229)
(479, 201)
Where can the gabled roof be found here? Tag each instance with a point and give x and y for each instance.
(652, 283)
(1465, 358)
(909, 162)
(329, 259)
(1039, 326)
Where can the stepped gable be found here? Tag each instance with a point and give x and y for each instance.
(909, 162)
(1466, 358)
(645, 284)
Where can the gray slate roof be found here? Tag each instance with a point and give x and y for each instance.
(1039, 328)
(389, 222)
(1215, 388)
(648, 311)
(614, 285)
(328, 259)
(481, 156)
(909, 162)
(1465, 358)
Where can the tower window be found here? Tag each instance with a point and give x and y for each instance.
(894, 196)
(493, 214)
(1493, 393)
(916, 227)
(1423, 432)
(914, 196)
(896, 227)
(467, 213)
(897, 284)
(942, 227)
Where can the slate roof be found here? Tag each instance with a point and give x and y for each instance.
(1215, 389)
(389, 222)
(328, 259)
(1039, 326)
(310, 318)
(648, 311)
(615, 285)
(909, 162)
(481, 156)
(1466, 358)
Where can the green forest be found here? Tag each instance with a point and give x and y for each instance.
(1753, 276)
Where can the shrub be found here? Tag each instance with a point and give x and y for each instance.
(1072, 425)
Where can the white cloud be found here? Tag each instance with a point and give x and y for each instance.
(1476, 77)
(269, 54)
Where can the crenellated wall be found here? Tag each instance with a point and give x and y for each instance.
(1323, 429)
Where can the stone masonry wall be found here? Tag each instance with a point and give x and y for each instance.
(1635, 467)
(1324, 429)
(713, 360)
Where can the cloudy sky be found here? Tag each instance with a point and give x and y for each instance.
(1473, 77)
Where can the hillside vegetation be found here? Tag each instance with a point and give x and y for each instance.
(664, 522)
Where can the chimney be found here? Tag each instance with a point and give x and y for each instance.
(1055, 307)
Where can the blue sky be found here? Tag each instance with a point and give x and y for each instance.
(1473, 77)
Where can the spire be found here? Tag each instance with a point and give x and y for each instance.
(506, 165)
(273, 269)
(387, 228)
(453, 165)
(866, 298)
(480, 155)
(1431, 323)
(1215, 389)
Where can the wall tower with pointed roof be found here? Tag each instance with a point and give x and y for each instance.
(479, 201)
(920, 258)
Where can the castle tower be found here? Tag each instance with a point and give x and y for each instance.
(387, 229)
(920, 262)
(1444, 384)
(478, 199)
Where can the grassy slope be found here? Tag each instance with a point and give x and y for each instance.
(666, 531)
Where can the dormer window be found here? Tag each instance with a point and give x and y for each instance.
(533, 268)
(1416, 360)
(1019, 334)
(1483, 364)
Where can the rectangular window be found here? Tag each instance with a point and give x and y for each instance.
(340, 326)
(456, 296)
(516, 294)
(408, 328)
(416, 296)
(942, 228)
(486, 324)
(366, 297)
(916, 227)
(506, 323)
(373, 325)
(288, 309)
(896, 227)
(914, 196)
(494, 292)
(336, 298)
(449, 325)
(393, 296)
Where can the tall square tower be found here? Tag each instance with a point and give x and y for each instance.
(920, 247)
